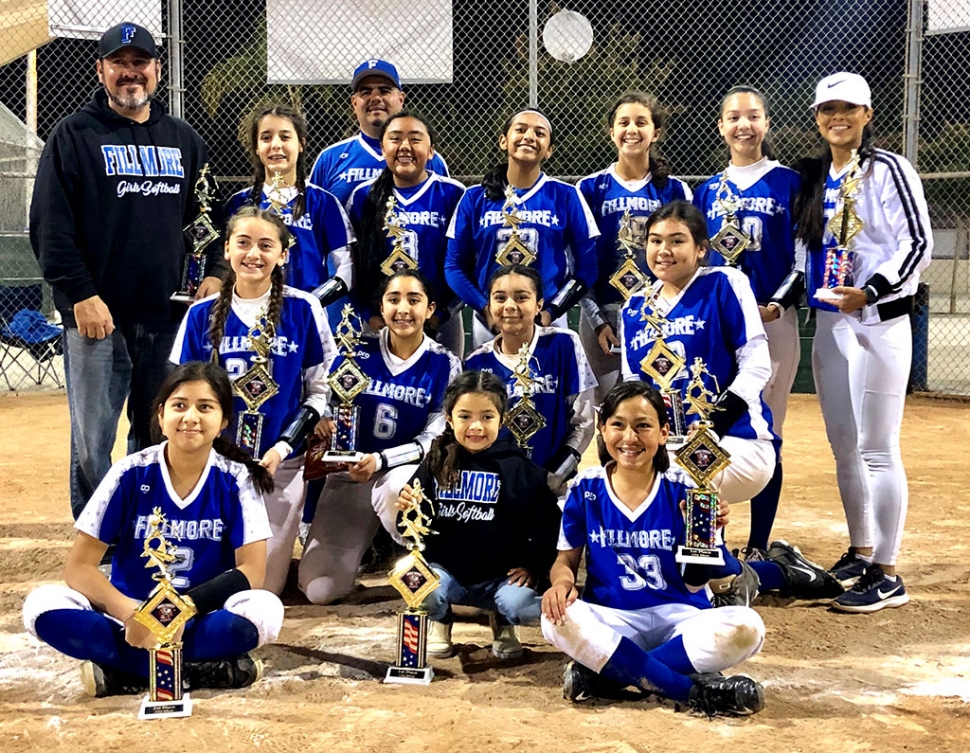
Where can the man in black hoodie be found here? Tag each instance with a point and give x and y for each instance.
(114, 190)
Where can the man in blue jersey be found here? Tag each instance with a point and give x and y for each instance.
(377, 95)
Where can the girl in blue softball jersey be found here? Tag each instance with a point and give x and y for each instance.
(555, 224)
(301, 348)
(209, 493)
(765, 191)
(320, 258)
(638, 182)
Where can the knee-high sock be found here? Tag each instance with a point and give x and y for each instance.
(770, 576)
(764, 507)
(631, 665)
(91, 635)
(218, 635)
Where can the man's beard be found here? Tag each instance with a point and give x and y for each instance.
(127, 102)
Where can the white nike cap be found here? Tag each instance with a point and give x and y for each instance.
(843, 87)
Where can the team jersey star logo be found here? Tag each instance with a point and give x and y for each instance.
(555, 220)
(598, 538)
(293, 347)
(699, 324)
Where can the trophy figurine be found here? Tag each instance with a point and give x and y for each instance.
(278, 201)
(164, 613)
(201, 232)
(398, 259)
(844, 226)
(347, 381)
(628, 278)
(256, 386)
(514, 250)
(703, 459)
(523, 420)
(730, 241)
(414, 580)
(664, 365)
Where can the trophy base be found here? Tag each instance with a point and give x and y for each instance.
(342, 457)
(165, 709)
(699, 555)
(409, 676)
(826, 294)
(182, 297)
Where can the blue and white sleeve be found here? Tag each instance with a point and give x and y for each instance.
(461, 255)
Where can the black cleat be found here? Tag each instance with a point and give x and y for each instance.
(236, 672)
(736, 590)
(101, 681)
(580, 683)
(849, 569)
(713, 695)
(804, 579)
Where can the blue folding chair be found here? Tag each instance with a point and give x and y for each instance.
(28, 342)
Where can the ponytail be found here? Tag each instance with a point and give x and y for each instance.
(371, 247)
(495, 181)
(442, 460)
(809, 208)
(262, 478)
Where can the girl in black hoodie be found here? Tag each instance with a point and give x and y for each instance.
(495, 519)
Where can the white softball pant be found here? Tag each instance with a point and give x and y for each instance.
(714, 639)
(347, 518)
(284, 506)
(784, 349)
(861, 371)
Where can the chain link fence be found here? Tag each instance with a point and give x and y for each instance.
(687, 52)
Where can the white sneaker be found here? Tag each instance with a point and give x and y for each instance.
(439, 643)
(505, 639)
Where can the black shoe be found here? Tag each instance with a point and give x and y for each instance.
(101, 681)
(804, 579)
(715, 694)
(579, 683)
(736, 590)
(236, 672)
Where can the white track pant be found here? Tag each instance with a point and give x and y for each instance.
(861, 371)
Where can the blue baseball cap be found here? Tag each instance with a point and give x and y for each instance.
(375, 67)
(127, 34)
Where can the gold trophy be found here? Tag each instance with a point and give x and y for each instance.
(277, 202)
(663, 365)
(629, 279)
(164, 613)
(347, 381)
(398, 259)
(730, 241)
(414, 580)
(514, 250)
(256, 386)
(201, 232)
(523, 420)
(844, 226)
(703, 459)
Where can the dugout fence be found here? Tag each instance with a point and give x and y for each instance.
(222, 58)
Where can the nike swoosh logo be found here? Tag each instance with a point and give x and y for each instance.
(835, 83)
(884, 596)
(812, 575)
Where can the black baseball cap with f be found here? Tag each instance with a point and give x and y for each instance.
(127, 34)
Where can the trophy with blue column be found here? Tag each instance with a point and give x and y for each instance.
(165, 612)
(414, 579)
